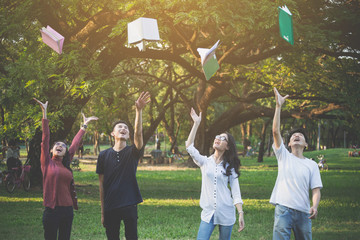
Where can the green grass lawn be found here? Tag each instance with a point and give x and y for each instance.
(171, 203)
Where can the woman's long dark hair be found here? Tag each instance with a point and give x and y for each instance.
(230, 156)
(66, 160)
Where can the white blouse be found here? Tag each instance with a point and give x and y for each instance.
(216, 198)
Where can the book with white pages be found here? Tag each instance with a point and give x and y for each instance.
(208, 60)
(52, 38)
(142, 30)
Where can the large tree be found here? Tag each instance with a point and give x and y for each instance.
(252, 56)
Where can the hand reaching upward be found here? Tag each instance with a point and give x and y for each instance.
(87, 120)
(140, 103)
(43, 107)
(279, 99)
(196, 118)
(143, 99)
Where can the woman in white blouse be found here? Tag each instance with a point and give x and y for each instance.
(220, 169)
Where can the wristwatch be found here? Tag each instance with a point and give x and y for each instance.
(84, 126)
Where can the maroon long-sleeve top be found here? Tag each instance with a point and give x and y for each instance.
(58, 181)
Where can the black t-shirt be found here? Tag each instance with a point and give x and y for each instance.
(119, 168)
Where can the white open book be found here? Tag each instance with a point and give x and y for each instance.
(52, 38)
(141, 30)
(285, 8)
(208, 60)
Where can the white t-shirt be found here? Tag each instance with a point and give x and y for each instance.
(295, 177)
(216, 198)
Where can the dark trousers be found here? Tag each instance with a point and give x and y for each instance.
(57, 220)
(113, 218)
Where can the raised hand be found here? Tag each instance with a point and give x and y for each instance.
(196, 118)
(142, 100)
(279, 99)
(87, 120)
(43, 107)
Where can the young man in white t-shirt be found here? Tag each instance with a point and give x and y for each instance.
(296, 175)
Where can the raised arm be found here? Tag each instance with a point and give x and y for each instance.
(76, 141)
(197, 120)
(276, 122)
(45, 148)
(43, 107)
(140, 104)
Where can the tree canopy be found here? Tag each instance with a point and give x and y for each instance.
(100, 72)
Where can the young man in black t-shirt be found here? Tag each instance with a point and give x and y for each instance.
(116, 167)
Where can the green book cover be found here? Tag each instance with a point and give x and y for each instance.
(210, 67)
(286, 25)
(208, 60)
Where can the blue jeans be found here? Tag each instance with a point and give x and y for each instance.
(287, 219)
(57, 220)
(206, 229)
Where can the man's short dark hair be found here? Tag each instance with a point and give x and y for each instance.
(298, 130)
(117, 122)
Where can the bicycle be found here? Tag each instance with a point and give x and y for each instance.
(75, 164)
(12, 178)
(175, 157)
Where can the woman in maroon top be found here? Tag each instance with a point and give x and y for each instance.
(58, 182)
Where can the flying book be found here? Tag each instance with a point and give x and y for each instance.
(208, 60)
(142, 30)
(52, 38)
(286, 24)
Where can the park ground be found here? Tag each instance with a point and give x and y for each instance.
(171, 202)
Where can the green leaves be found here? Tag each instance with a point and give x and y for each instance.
(322, 65)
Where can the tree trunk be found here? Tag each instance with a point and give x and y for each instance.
(34, 158)
(243, 137)
(96, 143)
(170, 127)
(248, 129)
(172, 133)
(327, 131)
(2, 117)
(243, 132)
(270, 144)
(335, 137)
(318, 143)
(262, 143)
(111, 140)
(27, 146)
